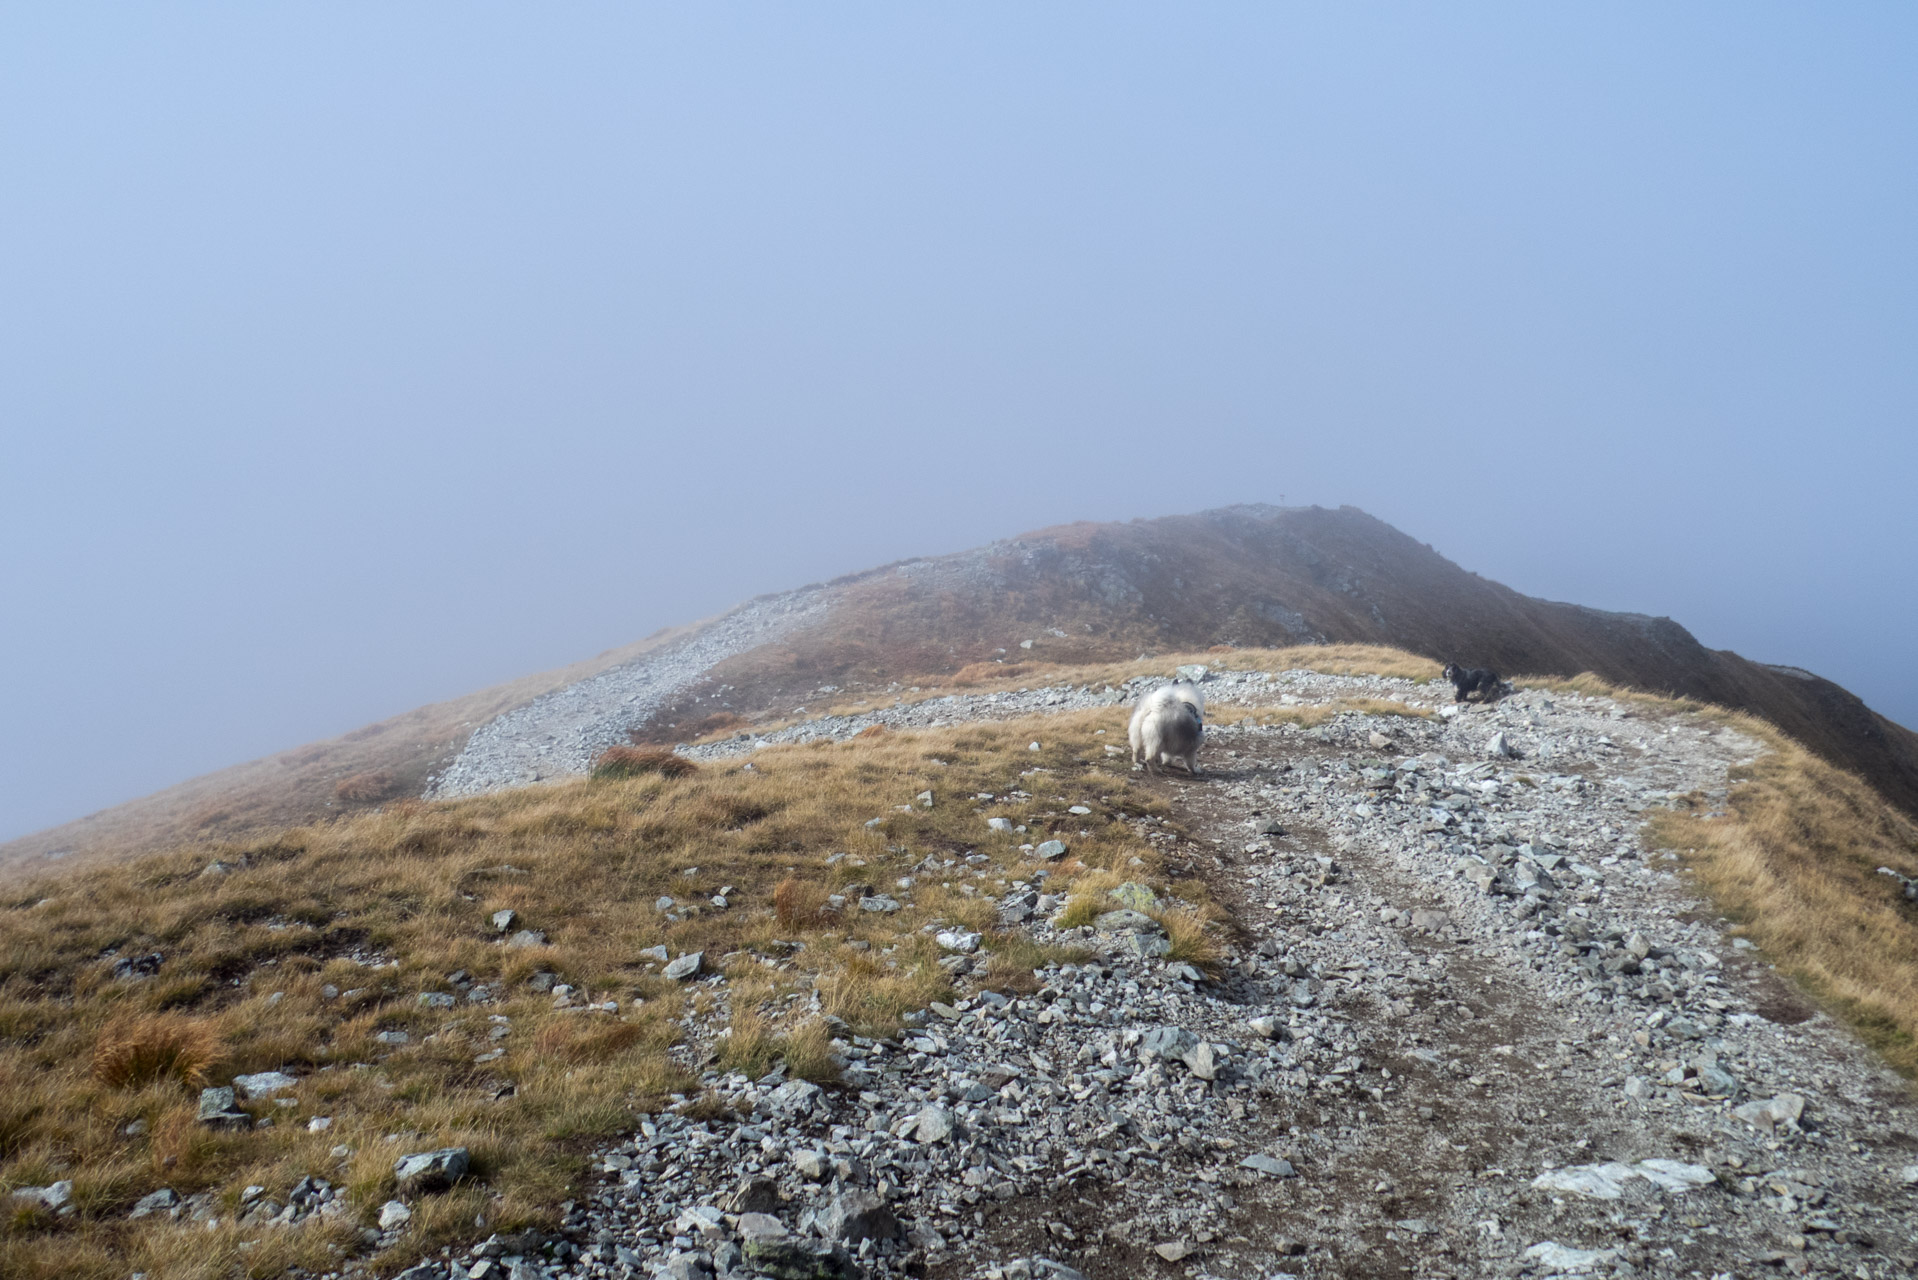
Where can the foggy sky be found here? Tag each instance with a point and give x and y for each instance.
(358, 356)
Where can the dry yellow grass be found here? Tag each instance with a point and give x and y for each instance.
(1794, 862)
(140, 1051)
(381, 907)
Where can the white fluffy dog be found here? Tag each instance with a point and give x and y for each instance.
(1168, 725)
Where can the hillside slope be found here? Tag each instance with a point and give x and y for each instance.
(1245, 576)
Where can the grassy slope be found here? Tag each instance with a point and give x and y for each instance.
(249, 951)
(386, 906)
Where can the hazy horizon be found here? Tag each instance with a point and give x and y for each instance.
(358, 358)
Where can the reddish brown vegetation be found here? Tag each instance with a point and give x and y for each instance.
(631, 762)
(140, 1051)
(802, 905)
(981, 672)
(366, 788)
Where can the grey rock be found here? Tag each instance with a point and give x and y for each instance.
(1271, 1165)
(392, 1037)
(934, 1124)
(1769, 1113)
(1717, 1082)
(437, 1000)
(754, 1195)
(879, 902)
(658, 953)
(1201, 1060)
(504, 919)
(761, 1226)
(1166, 1042)
(962, 941)
(812, 1165)
(854, 1216)
(1050, 850)
(1267, 1028)
(428, 1171)
(1565, 1260)
(688, 1266)
(217, 1109)
(527, 938)
(1135, 895)
(154, 1202)
(143, 966)
(1500, 747)
(393, 1215)
(1428, 920)
(264, 1084)
(792, 1259)
(1126, 919)
(1607, 1181)
(687, 967)
(795, 1098)
(1147, 946)
(50, 1197)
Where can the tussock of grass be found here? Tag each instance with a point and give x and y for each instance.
(147, 1050)
(634, 762)
(801, 904)
(1795, 863)
(370, 787)
(1189, 931)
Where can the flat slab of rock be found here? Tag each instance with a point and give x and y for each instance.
(1273, 1166)
(154, 1202)
(428, 1171)
(1553, 1257)
(1607, 1181)
(934, 1124)
(1785, 1109)
(687, 967)
(1126, 920)
(263, 1084)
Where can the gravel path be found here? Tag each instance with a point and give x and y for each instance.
(560, 733)
(1470, 1028)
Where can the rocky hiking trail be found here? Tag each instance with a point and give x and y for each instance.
(1465, 1025)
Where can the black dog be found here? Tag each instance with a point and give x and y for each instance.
(1485, 683)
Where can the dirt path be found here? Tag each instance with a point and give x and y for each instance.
(1465, 1069)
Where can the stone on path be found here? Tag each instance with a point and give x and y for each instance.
(1554, 1257)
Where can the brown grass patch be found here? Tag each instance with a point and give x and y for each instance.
(634, 762)
(381, 906)
(1795, 863)
(133, 1053)
(366, 788)
(978, 673)
(801, 904)
(1192, 937)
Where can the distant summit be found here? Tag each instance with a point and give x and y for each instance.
(1252, 575)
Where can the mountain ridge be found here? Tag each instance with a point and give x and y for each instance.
(1250, 575)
